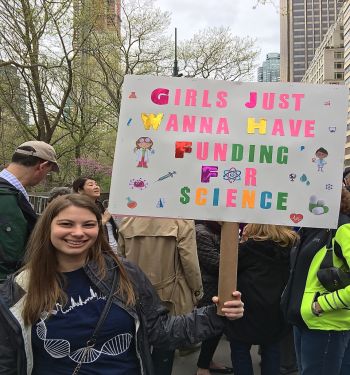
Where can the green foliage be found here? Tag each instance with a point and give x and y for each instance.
(62, 66)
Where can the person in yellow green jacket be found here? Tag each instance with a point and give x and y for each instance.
(320, 318)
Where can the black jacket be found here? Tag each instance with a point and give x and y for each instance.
(154, 325)
(23, 203)
(263, 269)
(208, 248)
(17, 220)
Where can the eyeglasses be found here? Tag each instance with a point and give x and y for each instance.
(147, 140)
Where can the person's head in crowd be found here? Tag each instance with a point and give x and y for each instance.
(345, 202)
(32, 161)
(57, 192)
(346, 177)
(87, 186)
(67, 236)
(283, 235)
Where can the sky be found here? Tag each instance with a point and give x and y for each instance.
(261, 23)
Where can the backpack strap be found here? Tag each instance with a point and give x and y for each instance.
(327, 261)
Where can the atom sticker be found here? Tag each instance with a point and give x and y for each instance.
(138, 184)
(232, 175)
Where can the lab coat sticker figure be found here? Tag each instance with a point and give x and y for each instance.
(143, 151)
(320, 155)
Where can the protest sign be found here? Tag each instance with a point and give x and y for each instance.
(230, 151)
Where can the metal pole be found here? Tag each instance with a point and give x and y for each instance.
(175, 68)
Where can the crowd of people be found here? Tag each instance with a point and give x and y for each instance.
(83, 294)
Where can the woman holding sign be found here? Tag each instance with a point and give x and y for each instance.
(77, 308)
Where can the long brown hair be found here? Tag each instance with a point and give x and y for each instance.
(283, 235)
(45, 280)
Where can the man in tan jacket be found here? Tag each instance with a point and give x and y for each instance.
(166, 250)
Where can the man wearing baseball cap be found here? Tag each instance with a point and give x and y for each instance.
(30, 164)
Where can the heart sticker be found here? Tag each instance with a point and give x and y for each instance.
(296, 217)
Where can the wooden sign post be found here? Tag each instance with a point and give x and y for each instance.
(228, 262)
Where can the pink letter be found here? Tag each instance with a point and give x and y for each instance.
(222, 126)
(297, 98)
(222, 102)
(252, 100)
(160, 96)
(205, 102)
(189, 123)
(230, 196)
(177, 96)
(283, 101)
(278, 127)
(250, 177)
(191, 96)
(206, 125)
(294, 128)
(309, 128)
(202, 150)
(220, 151)
(268, 100)
(172, 124)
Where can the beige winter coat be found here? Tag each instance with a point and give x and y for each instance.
(166, 250)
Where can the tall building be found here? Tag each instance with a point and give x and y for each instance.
(304, 23)
(270, 69)
(327, 65)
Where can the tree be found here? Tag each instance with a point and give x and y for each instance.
(36, 38)
(139, 47)
(216, 53)
(70, 57)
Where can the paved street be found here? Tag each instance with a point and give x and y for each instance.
(187, 365)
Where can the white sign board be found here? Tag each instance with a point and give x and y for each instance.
(240, 152)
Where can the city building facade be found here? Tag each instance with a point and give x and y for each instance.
(270, 69)
(327, 65)
(304, 24)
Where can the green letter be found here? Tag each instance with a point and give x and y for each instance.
(185, 198)
(282, 201)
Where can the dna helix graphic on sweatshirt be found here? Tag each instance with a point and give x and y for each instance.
(60, 348)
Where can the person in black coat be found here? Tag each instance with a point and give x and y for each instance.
(208, 234)
(263, 269)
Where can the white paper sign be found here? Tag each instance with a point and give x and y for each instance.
(240, 152)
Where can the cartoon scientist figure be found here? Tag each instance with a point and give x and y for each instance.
(143, 151)
(320, 155)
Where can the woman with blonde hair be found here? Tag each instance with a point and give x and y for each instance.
(263, 269)
(76, 307)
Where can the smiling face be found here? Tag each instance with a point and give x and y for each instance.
(73, 231)
(91, 189)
